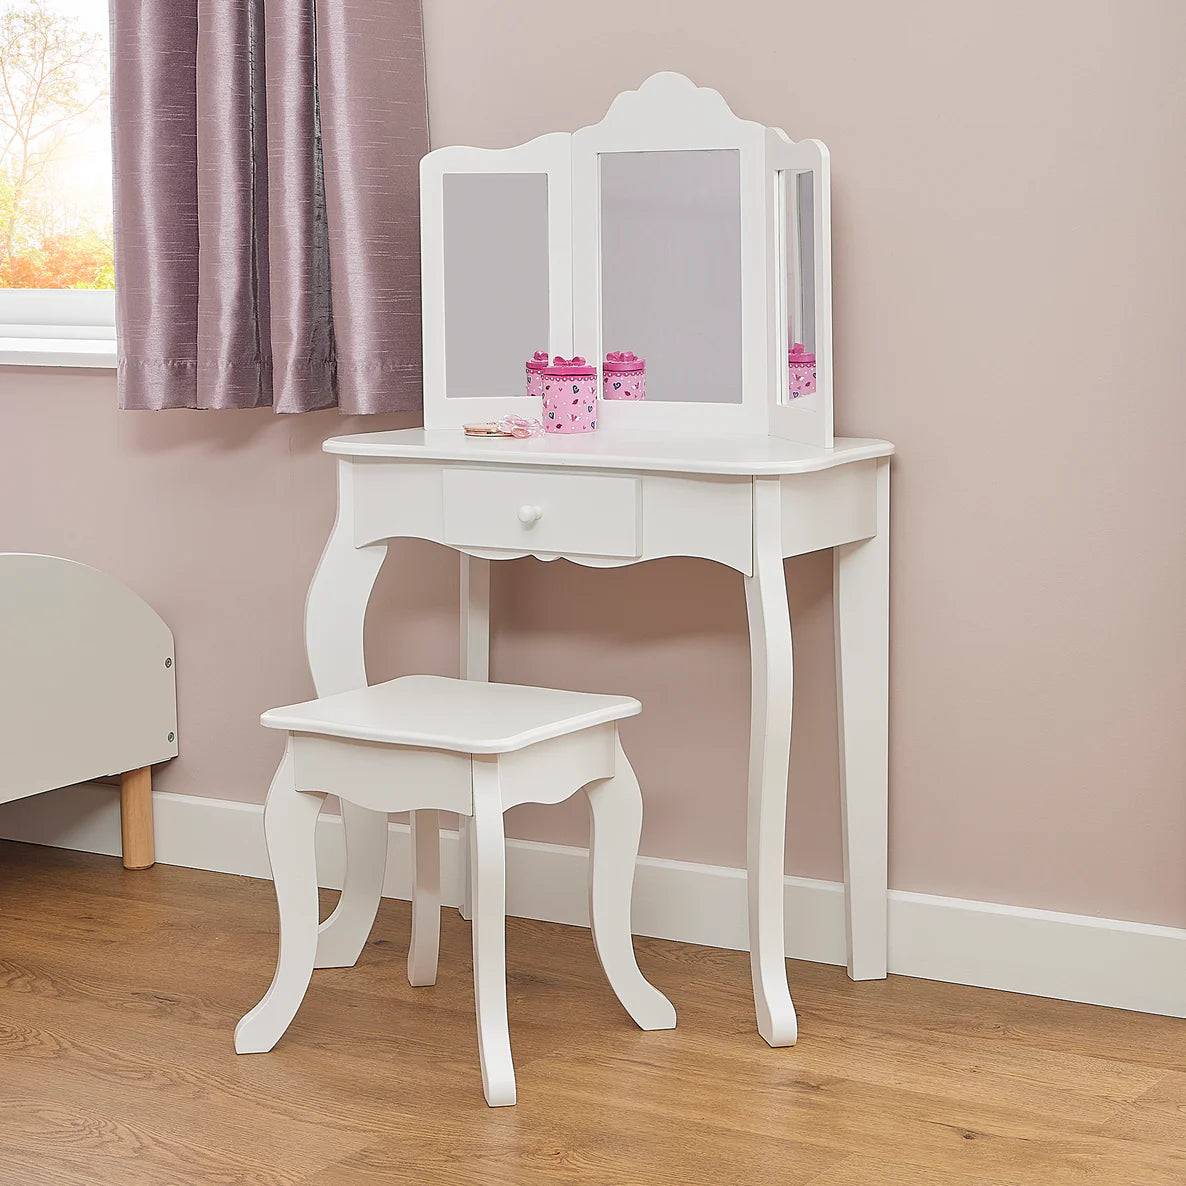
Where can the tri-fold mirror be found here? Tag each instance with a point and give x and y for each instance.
(673, 229)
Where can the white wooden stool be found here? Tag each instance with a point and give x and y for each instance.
(425, 743)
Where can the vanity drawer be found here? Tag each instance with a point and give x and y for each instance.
(534, 511)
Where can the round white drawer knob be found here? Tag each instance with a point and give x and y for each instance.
(529, 515)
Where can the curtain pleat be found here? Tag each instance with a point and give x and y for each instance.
(154, 147)
(372, 92)
(234, 351)
(266, 192)
(302, 325)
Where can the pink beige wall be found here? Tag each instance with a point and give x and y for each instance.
(1010, 224)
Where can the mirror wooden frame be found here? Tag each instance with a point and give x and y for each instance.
(549, 155)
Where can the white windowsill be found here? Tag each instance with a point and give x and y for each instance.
(51, 327)
(58, 352)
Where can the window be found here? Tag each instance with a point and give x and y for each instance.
(56, 261)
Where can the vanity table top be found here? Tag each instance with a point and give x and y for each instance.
(749, 455)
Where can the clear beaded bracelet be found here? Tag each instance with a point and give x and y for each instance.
(519, 427)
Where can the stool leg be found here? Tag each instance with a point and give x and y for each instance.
(341, 938)
(464, 907)
(488, 878)
(426, 898)
(616, 809)
(290, 821)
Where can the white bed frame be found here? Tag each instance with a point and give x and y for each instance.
(87, 688)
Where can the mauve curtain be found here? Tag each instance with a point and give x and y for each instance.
(266, 202)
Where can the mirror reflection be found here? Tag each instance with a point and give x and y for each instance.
(671, 269)
(799, 245)
(495, 278)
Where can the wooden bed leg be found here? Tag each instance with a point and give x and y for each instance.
(135, 811)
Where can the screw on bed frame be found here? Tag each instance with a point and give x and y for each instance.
(168, 662)
(170, 736)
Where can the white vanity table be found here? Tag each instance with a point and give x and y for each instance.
(559, 241)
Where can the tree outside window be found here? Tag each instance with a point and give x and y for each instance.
(55, 149)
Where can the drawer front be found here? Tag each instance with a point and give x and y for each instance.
(534, 511)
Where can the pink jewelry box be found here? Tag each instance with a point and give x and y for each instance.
(535, 373)
(800, 371)
(570, 396)
(624, 376)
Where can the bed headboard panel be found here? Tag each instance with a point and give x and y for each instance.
(87, 683)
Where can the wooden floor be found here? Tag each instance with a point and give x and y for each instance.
(119, 993)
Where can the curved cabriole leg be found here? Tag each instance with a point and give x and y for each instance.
(770, 741)
(488, 880)
(343, 935)
(426, 898)
(290, 822)
(615, 806)
(335, 611)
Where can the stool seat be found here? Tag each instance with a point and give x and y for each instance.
(424, 744)
(466, 716)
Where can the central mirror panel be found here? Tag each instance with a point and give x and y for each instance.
(495, 280)
(671, 269)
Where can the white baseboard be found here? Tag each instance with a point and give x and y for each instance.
(1069, 957)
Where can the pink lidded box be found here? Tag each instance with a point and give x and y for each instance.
(536, 365)
(800, 371)
(624, 376)
(570, 396)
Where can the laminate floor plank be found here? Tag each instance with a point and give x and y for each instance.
(119, 993)
(563, 1145)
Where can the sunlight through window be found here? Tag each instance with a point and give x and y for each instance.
(55, 145)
